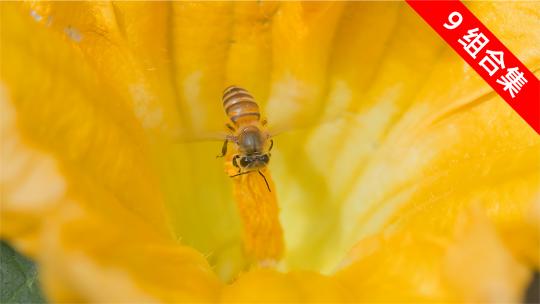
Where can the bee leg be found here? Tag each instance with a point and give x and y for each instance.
(230, 127)
(223, 149)
(271, 145)
(235, 163)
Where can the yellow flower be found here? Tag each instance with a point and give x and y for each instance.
(400, 176)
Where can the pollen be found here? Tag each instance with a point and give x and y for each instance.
(259, 211)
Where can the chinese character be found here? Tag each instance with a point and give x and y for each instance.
(476, 45)
(497, 56)
(512, 81)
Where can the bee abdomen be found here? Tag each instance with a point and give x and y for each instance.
(240, 105)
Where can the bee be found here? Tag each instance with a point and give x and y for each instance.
(248, 132)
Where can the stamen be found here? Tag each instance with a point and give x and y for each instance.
(259, 211)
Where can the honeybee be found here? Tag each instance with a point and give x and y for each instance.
(248, 132)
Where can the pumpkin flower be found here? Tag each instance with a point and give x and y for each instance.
(398, 174)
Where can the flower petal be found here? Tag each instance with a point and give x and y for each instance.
(469, 263)
(269, 286)
(81, 181)
(123, 264)
(455, 148)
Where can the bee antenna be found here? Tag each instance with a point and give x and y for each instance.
(264, 177)
(247, 172)
(240, 174)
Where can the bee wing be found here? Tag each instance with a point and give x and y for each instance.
(274, 133)
(201, 136)
(277, 129)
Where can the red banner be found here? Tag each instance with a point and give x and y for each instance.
(485, 54)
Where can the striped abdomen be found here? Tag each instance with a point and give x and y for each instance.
(240, 105)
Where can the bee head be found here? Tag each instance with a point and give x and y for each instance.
(254, 161)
